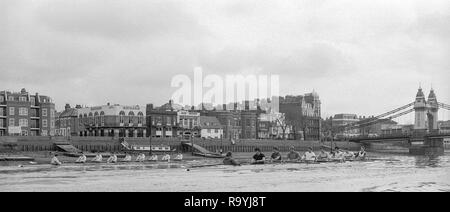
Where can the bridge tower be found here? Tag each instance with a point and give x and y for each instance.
(432, 114)
(420, 108)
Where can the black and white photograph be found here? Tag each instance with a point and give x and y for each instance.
(218, 96)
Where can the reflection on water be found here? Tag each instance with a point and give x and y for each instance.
(384, 173)
(428, 161)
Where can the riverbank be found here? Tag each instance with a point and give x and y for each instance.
(105, 144)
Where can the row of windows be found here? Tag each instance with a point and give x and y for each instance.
(131, 113)
(24, 123)
(101, 119)
(210, 130)
(24, 112)
(21, 98)
(158, 120)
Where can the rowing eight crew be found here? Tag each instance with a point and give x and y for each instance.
(308, 156)
(113, 158)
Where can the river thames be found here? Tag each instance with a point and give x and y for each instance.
(391, 173)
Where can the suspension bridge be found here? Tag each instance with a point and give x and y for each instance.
(425, 137)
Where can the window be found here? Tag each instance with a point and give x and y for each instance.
(96, 118)
(44, 132)
(85, 120)
(2, 98)
(32, 100)
(22, 98)
(10, 98)
(11, 122)
(2, 124)
(11, 111)
(44, 112)
(52, 124)
(44, 123)
(23, 111)
(140, 117)
(91, 118)
(216, 131)
(168, 120)
(52, 113)
(131, 115)
(121, 117)
(102, 118)
(23, 122)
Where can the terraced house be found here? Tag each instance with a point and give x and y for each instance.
(25, 114)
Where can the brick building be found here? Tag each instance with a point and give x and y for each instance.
(210, 127)
(67, 122)
(112, 120)
(22, 113)
(249, 122)
(188, 123)
(230, 121)
(303, 114)
(162, 121)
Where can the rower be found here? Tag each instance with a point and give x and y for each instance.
(349, 155)
(259, 157)
(81, 159)
(179, 157)
(112, 158)
(276, 156)
(309, 155)
(140, 158)
(127, 158)
(338, 154)
(361, 154)
(153, 158)
(293, 155)
(98, 158)
(323, 156)
(166, 157)
(55, 160)
(229, 160)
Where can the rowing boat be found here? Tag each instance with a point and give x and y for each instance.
(208, 155)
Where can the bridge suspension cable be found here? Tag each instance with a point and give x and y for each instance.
(444, 106)
(383, 120)
(372, 120)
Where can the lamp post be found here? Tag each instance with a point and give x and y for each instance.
(149, 121)
(192, 141)
(332, 136)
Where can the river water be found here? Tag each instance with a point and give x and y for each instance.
(392, 173)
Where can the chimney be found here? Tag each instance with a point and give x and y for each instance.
(108, 104)
(78, 107)
(149, 107)
(67, 106)
(258, 105)
(224, 106)
(247, 105)
(235, 106)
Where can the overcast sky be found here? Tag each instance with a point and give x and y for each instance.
(361, 56)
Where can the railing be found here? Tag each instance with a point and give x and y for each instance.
(399, 135)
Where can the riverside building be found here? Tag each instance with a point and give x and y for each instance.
(112, 120)
(25, 114)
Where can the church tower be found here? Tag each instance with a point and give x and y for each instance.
(433, 109)
(420, 107)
